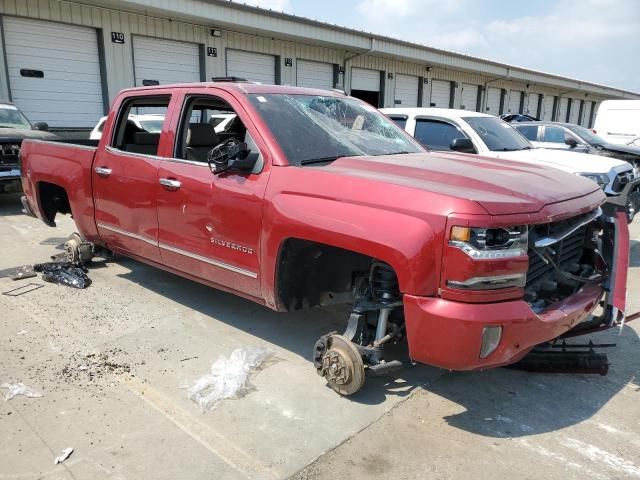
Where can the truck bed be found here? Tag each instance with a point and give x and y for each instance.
(67, 165)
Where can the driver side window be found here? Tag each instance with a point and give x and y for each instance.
(207, 123)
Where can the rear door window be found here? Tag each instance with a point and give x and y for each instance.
(529, 131)
(137, 129)
(400, 121)
(436, 135)
(554, 134)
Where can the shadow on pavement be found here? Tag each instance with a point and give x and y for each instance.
(296, 332)
(10, 204)
(505, 403)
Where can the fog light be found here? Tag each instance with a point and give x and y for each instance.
(490, 340)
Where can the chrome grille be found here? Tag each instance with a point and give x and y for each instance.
(564, 253)
(9, 154)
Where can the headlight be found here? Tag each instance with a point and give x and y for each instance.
(600, 178)
(490, 243)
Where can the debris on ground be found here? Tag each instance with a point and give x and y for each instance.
(16, 292)
(22, 332)
(18, 273)
(16, 389)
(66, 453)
(229, 377)
(94, 366)
(64, 273)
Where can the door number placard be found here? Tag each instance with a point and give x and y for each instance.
(117, 37)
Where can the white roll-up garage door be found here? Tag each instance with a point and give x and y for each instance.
(586, 114)
(514, 101)
(54, 72)
(547, 107)
(256, 67)
(493, 101)
(165, 61)
(440, 93)
(314, 74)
(469, 97)
(575, 111)
(406, 92)
(532, 106)
(562, 116)
(363, 79)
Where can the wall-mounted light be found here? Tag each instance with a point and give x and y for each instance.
(216, 33)
(428, 69)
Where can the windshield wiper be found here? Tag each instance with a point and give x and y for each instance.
(309, 161)
(506, 149)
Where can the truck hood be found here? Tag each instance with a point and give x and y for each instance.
(501, 187)
(573, 162)
(17, 135)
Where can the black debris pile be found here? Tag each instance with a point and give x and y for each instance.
(64, 273)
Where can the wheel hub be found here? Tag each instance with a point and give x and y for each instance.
(341, 365)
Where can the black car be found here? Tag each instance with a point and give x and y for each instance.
(568, 136)
(14, 128)
(517, 117)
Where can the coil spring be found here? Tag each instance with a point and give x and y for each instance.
(384, 283)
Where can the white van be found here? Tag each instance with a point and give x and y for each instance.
(618, 121)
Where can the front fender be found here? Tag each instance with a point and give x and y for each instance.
(411, 245)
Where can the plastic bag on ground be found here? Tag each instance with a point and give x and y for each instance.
(16, 389)
(64, 273)
(229, 377)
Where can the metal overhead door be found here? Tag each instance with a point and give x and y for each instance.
(562, 116)
(161, 62)
(532, 106)
(493, 101)
(256, 67)
(314, 74)
(469, 100)
(586, 114)
(363, 79)
(440, 93)
(575, 111)
(54, 72)
(514, 101)
(547, 108)
(406, 90)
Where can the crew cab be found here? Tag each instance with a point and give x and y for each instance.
(14, 128)
(479, 133)
(314, 197)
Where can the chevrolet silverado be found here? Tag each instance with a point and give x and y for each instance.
(310, 197)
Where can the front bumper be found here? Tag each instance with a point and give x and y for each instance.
(448, 334)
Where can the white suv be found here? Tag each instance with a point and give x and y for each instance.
(472, 132)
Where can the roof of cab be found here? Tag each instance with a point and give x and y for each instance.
(435, 112)
(240, 87)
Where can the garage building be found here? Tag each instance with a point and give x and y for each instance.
(63, 62)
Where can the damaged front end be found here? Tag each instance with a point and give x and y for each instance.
(590, 249)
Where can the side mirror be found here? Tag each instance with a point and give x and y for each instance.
(232, 156)
(462, 145)
(44, 126)
(570, 141)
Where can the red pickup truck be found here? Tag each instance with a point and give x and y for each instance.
(308, 197)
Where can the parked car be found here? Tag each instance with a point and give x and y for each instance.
(574, 138)
(618, 121)
(14, 128)
(150, 122)
(317, 198)
(472, 132)
(517, 117)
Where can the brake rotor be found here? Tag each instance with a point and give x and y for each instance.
(342, 366)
